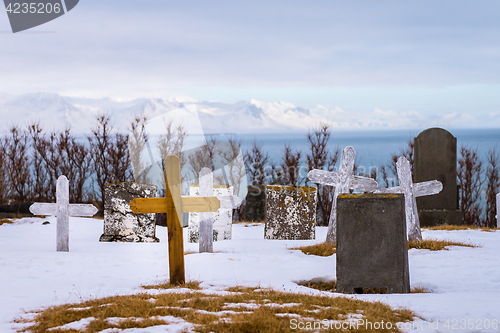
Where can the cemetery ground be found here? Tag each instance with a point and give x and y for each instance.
(247, 280)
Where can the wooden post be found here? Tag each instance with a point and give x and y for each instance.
(343, 180)
(206, 238)
(63, 210)
(174, 219)
(411, 191)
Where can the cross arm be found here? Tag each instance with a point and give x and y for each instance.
(419, 189)
(161, 205)
(82, 210)
(42, 208)
(333, 179)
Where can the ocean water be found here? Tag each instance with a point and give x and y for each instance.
(373, 148)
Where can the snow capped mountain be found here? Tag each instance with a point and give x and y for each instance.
(54, 111)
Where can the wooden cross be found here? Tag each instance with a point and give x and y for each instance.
(174, 205)
(411, 192)
(343, 181)
(63, 210)
(206, 238)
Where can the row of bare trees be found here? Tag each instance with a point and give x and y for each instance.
(31, 160)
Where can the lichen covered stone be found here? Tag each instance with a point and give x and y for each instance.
(120, 223)
(290, 212)
(222, 218)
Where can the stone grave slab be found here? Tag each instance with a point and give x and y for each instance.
(290, 212)
(120, 222)
(222, 218)
(435, 158)
(371, 243)
(255, 203)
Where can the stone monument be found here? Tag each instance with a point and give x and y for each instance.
(435, 158)
(222, 219)
(120, 223)
(290, 212)
(372, 250)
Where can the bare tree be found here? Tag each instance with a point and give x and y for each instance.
(321, 158)
(4, 184)
(18, 164)
(255, 162)
(470, 183)
(492, 187)
(290, 166)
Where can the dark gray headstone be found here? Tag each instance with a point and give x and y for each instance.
(290, 212)
(255, 206)
(435, 158)
(371, 243)
(120, 223)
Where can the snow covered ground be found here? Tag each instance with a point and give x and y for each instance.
(465, 281)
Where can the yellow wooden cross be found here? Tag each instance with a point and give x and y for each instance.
(174, 205)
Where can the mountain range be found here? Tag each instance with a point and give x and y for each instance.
(55, 111)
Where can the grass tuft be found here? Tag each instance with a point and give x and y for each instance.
(6, 221)
(194, 285)
(435, 244)
(321, 249)
(320, 284)
(420, 290)
(247, 310)
(460, 227)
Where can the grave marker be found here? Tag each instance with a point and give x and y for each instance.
(411, 192)
(290, 212)
(174, 205)
(372, 248)
(207, 219)
(498, 210)
(343, 180)
(63, 210)
(435, 157)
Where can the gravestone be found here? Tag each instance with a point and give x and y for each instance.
(62, 209)
(371, 243)
(290, 212)
(435, 157)
(222, 218)
(255, 205)
(120, 222)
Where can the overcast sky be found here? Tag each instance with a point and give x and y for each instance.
(425, 56)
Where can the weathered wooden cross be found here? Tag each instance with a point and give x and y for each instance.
(343, 181)
(174, 205)
(63, 210)
(206, 238)
(411, 191)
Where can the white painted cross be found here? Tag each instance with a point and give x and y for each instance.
(411, 191)
(63, 210)
(206, 238)
(343, 180)
(498, 209)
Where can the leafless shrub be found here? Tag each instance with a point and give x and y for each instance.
(492, 187)
(137, 144)
(4, 185)
(18, 164)
(255, 162)
(290, 166)
(321, 158)
(470, 183)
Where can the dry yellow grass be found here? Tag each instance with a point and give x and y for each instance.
(240, 310)
(435, 244)
(6, 221)
(460, 227)
(321, 249)
(420, 290)
(195, 285)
